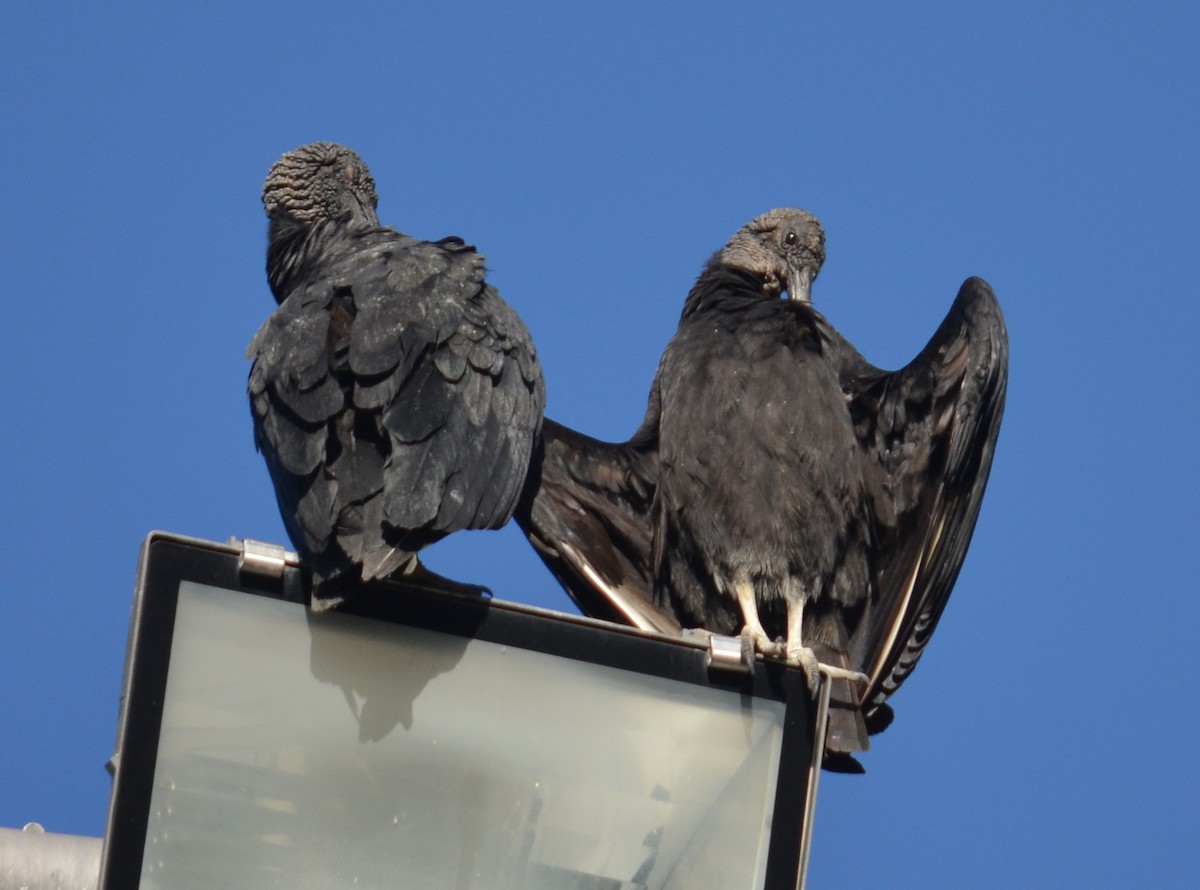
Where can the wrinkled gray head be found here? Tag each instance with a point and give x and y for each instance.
(784, 246)
(320, 181)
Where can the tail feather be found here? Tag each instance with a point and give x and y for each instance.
(846, 733)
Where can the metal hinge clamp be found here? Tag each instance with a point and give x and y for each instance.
(733, 654)
(261, 558)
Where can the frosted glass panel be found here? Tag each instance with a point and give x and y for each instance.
(329, 751)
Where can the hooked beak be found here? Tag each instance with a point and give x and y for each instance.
(361, 211)
(799, 285)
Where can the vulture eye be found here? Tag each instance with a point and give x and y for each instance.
(789, 238)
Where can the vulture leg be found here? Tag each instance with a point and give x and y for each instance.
(797, 653)
(752, 627)
(803, 656)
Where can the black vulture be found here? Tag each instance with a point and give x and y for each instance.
(396, 397)
(780, 485)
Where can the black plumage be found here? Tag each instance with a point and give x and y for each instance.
(780, 479)
(396, 397)
(586, 511)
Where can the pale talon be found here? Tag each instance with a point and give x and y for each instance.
(759, 641)
(837, 673)
(804, 658)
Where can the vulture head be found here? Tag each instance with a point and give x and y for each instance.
(784, 246)
(318, 182)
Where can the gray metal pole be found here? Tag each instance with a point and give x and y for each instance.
(33, 859)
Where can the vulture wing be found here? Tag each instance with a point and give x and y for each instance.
(586, 513)
(927, 434)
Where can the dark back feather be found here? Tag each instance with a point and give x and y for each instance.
(396, 398)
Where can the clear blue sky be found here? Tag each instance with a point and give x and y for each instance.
(597, 157)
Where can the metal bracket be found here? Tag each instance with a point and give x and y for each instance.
(733, 654)
(261, 558)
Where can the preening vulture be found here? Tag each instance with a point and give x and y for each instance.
(396, 398)
(780, 485)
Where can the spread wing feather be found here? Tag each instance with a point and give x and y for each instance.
(927, 434)
(586, 512)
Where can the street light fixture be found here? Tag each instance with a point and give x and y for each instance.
(434, 741)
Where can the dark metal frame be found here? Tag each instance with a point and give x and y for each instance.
(167, 560)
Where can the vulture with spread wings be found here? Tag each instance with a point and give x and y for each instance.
(780, 485)
(396, 397)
